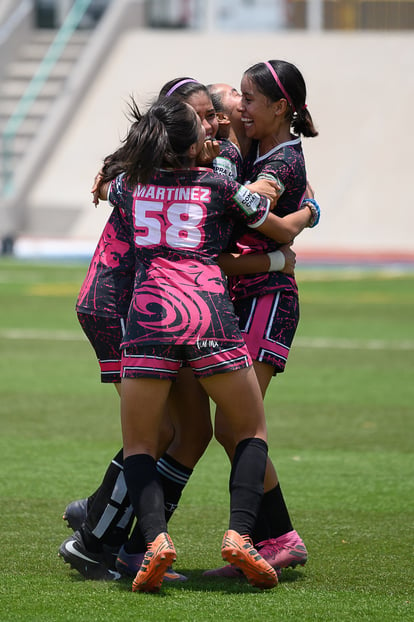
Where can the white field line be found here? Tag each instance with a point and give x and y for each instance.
(339, 343)
(41, 335)
(332, 343)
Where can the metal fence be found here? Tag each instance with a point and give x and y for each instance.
(251, 14)
(281, 14)
(355, 14)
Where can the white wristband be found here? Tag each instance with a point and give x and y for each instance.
(277, 261)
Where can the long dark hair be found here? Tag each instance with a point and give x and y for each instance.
(159, 138)
(279, 79)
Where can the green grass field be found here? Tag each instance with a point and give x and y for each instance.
(340, 432)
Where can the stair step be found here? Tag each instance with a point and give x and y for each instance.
(29, 126)
(45, 36)
(16, 88)
(14, 85)
(25, 70)
(9, 165)
(25, 131)
(19, 145)
(39, 108)
(35, 52)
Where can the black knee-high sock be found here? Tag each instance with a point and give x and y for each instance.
(261, 529)
(246, 484)
(275, 515)
(109, 520)
(146, 494)
(174, 476)
(118, 459)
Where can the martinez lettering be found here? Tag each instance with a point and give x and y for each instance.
(162, 193)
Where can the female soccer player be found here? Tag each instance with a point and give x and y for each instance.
(274, 113)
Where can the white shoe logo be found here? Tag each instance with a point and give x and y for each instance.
(71, 548)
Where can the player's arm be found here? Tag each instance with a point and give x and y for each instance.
(285, 229)
(112, 167)
(267, 188)
(97, 182)
(99, 189)
(282, 260)
(282, 230)
(103, 190)
(210, 150)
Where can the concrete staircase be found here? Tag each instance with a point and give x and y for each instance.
(50, 115)
(17, 77)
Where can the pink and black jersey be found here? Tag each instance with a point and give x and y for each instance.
(107, 288)
(286, 164)
(229, 162)
(181, 221)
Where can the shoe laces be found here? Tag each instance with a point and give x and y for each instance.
(270, 546)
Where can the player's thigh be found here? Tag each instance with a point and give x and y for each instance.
(105, 336)
(143, 402)
(189, 411)
(237, 394)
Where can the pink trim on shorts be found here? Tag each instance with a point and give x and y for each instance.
(110, 366)
(226, 360)
(230, 358)
(139, 365)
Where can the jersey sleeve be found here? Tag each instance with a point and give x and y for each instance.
(289, 178)
(278, 170)
(117, 191)
(229, 161)
(251, 208)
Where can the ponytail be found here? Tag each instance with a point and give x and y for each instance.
(160, 138)
(302, 123)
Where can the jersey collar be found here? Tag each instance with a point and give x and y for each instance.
(288, 143)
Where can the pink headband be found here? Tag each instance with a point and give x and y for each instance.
(177, 86)
(280, 85)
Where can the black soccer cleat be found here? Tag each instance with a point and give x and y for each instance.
(75, 514)
(92, 566)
